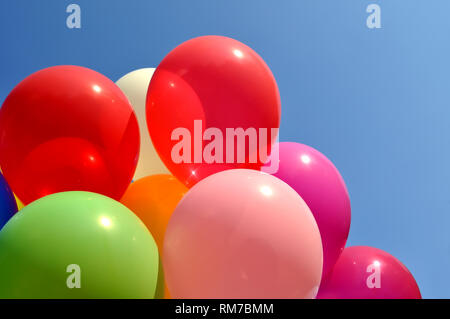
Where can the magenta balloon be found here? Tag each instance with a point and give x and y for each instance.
(363, 272)
(242, 234)
(319, 183)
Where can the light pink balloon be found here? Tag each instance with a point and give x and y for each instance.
(242, 234)
(318, 182)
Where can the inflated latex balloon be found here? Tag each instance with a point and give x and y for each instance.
(203, 94)
(77, 245)
(8, 206)
(67, 128)
(363, 272)
(153, 199)
(135, 86)
(318, 182)
(242, 234)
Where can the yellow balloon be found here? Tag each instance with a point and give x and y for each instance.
(20, 205)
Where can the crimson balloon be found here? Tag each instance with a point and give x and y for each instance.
(363, 272)
(212, 104)
(67, 128)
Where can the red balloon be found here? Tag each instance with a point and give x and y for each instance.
(67, 128)
(220, 83)
(368, 273)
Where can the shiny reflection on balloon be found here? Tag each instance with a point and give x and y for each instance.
(105, 222)
(238, 53)
(266, 190)
(96, 88)
(305, 159)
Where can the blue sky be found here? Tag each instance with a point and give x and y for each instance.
(376, 102)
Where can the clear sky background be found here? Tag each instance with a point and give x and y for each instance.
(376, 102)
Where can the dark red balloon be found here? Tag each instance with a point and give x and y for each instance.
(221, 83)
(363, 272)
(67, 128)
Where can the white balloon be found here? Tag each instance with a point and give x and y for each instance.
(135, 85)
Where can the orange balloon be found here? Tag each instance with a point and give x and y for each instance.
(153, 199)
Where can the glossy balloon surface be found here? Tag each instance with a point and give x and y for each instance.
(67, 128)
(223, 84)
(242, 234)
(363, 272)
(116, 254)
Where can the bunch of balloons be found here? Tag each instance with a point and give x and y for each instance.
(170, 183)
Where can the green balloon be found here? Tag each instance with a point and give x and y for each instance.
(71, 239)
